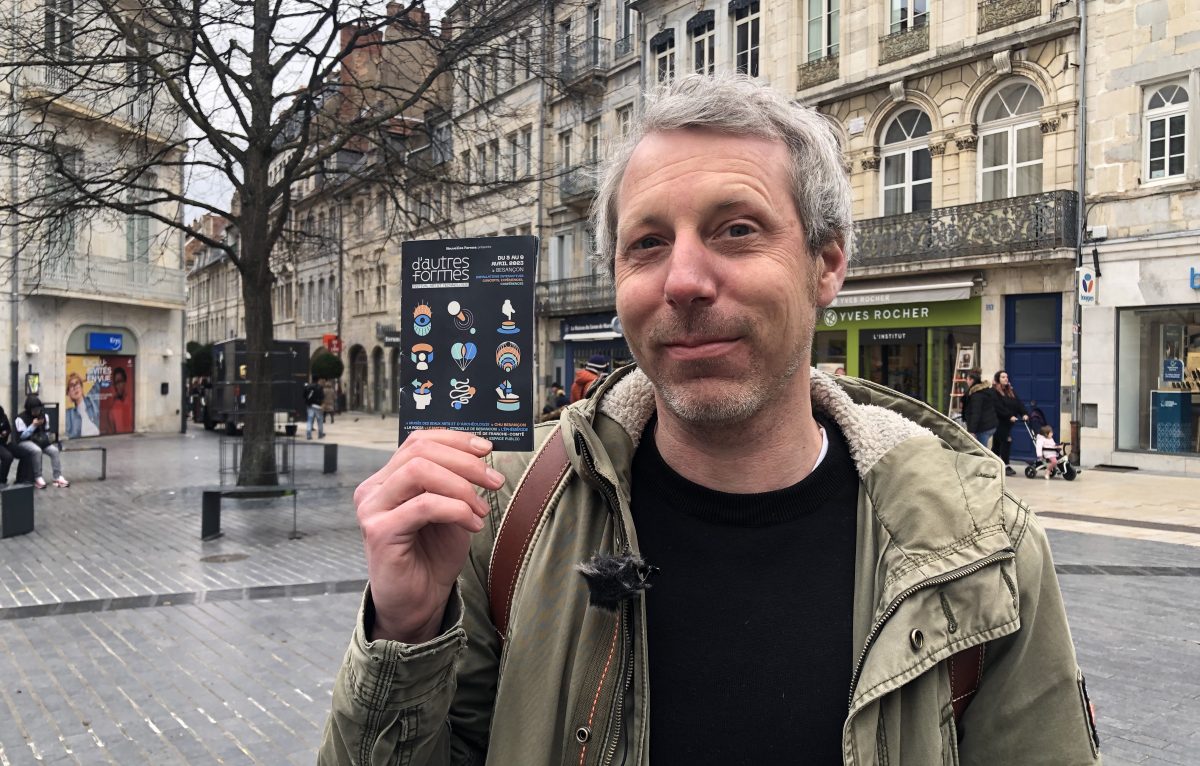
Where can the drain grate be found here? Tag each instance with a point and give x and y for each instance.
(224, 558)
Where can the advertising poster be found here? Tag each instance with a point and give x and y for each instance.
(467, 338)
(98, 400)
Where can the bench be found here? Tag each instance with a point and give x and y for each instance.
(90, 448)
(330, 450)
(210, 506)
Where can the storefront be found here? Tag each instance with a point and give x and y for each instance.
(1158, 385)
(100, 385)
(905, 339)
(583, 337)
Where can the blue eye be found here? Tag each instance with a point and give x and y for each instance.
(422, 320)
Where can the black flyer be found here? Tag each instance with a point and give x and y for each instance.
(467, 338)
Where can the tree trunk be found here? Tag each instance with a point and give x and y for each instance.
(258, 465)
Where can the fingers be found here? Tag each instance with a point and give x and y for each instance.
(417, 513)
(458, 450)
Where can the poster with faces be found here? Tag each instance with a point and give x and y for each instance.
(467, 338)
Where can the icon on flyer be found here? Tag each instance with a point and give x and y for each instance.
(508, 356)
(422, 393)
(461, 392)
(508, 326)
(463, 318)
(422, 355)
(506, 399)
(422, 319)
(463, 354)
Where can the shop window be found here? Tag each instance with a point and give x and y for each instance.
(907, 165)
(1010, 142)
(829, 352)
(1166, 132)
(1158, 380)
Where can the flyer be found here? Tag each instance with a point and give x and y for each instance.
(466, 321)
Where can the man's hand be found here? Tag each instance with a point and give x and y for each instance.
(417, 516)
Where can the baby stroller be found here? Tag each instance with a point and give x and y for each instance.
(1063, 468)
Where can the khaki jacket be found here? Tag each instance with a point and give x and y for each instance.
(946, 558)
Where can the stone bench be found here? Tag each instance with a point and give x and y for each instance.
(210, 506)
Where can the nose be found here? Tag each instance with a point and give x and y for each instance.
(690, 279)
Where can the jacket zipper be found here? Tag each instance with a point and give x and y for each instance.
(1007, 554)
(619, 701)
(610, 494)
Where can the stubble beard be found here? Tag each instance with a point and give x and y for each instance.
(734, 401)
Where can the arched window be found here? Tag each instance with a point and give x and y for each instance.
(1166, 132)
(1010, 142)
(907, 164)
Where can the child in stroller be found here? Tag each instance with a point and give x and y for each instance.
(1051, 456)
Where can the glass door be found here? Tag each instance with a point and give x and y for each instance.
(894, 358)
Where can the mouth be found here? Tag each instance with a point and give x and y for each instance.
(699, 348)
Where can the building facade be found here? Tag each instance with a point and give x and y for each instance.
(97, 297)
(1140, 370)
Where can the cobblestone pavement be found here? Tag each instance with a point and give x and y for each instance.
(124, 639)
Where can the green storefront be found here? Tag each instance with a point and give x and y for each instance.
(909, 347)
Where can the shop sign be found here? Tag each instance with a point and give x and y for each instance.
(590, 323)
(332, 342)
(1172, 370)
(936, 313)
(104, 341)
(1194, 278)
(910, 337)
(1085, 282)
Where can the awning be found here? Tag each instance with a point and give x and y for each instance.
(904, 293)
(598, 335)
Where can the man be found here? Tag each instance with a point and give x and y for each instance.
(595, 370)
(314, 395)
(979, 408)
(116, 411)
(809, 553)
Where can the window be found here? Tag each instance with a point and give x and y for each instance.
(564, 41)
(628, 27)
(1158, 359)
(704, 39)
(823, 28)
(1010, 142)
(664, 55)
(746, 37)
(381, 211)
(526, 57)
(907, 164)
(60, 30)
(625, 121)
(564, 149)
(62, 222)
(909, 14)
(443, 144)
(359, 216)
(380, 287)
(514, 155)
(137, 76)
(593, 141)
(466, 165)
(481, 163)
(495, 156)
(1166, 133)
(527, 149)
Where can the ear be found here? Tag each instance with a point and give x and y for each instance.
(829, 272)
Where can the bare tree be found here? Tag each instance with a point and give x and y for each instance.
(124, 114)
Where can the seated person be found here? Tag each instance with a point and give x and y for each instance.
(34, 440)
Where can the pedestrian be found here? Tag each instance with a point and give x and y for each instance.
(1009, 410)
(34, 441)
(560, 397)
(979, 408)
(736, 539)
(592, 372)
(314, 395)
(329, 402)
(1047, 449)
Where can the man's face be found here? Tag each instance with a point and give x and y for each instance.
(716, 287)
(119, 386)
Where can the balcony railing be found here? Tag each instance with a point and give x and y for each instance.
(585, 58)
(623, 46)
(578, 183)
(1018, 224)
(127, 107)
(107, 279)
(572, 296)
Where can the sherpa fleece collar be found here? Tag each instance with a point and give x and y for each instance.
(870, 430)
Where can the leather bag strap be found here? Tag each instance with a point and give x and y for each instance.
(525, 509)
(966, 670)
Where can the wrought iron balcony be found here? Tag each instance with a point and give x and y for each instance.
(623, 46)
(578, 184)
(125, 107)
(110, 280)
(586, 58)
(578, 295)
(1033, 222)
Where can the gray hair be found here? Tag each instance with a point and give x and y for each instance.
(739, 106)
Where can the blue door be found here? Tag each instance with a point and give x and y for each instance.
(1033, 359)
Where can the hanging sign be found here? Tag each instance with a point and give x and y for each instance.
(1086, 285)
